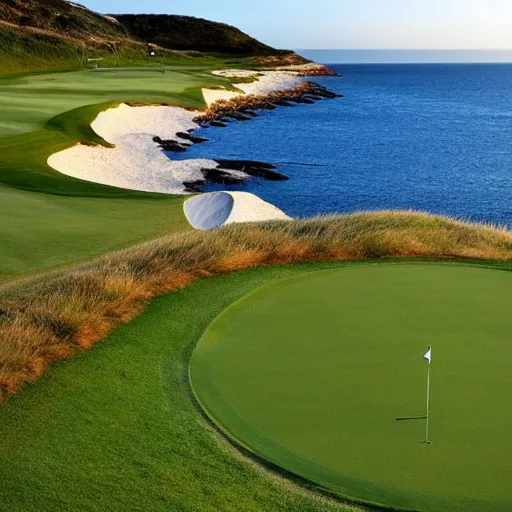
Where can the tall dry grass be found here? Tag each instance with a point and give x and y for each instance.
(51, 317)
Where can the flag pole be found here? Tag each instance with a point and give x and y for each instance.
(428, 404)
(428, 358)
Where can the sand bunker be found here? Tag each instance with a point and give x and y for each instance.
(267, 82)
(216, 209)
(137, 162)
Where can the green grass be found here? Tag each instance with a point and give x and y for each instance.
(117, 429)
(28, 102)
(74, 220)
(311, 373)
(45, 231)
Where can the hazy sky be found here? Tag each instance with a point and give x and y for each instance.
(418, 24)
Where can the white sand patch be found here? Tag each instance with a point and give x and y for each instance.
(236, 73)
(216, 209)
(136, 162)
(268, 81)
(212, 95)
(271, 81)
(301, 68)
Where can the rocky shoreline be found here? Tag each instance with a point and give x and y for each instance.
(142, 138)
(242, 108)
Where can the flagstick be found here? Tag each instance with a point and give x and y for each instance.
(428, 403)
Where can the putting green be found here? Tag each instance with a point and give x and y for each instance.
(312, 372)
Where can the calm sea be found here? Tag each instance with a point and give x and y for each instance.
(431, 137)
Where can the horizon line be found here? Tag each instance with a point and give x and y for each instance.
(409, 49)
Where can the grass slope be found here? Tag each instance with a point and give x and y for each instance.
(45, 231)
(188, 33)
(116, 429)
(311, 373)
(72, 309)
(60, 16)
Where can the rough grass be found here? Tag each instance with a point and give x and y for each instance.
(51, 317)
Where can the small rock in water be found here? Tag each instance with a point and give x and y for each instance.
(284, 103)
(222, 177)
(250, 113)
(192, 138)
(256, 169)
(239, 165)
(239, 116)
(218, 124)
(170, 145)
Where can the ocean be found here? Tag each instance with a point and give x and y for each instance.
(429, 137)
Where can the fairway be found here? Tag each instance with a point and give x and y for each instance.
(54, 219)
(311, 373)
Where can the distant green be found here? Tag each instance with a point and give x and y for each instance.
(27, 102)
(311, 374)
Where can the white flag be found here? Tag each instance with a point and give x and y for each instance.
(428, 355)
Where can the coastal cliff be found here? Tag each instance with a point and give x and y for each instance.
(57, 34)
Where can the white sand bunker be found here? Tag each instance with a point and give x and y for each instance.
(216, 209)
(136, 162)
(267, 82)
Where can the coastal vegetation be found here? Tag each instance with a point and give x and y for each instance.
(54, 316)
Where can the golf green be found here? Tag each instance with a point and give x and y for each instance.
(311, 374)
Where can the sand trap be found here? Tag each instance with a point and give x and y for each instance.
(136, 162)
(212, 95)
(268, 81)
(216, 209)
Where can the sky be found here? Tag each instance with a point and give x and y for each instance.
(347, 24)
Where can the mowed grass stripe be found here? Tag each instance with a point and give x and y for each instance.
(311, 374)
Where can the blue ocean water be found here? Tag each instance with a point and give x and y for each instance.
(430, 137)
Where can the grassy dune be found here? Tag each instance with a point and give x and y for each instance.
(52, 317)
